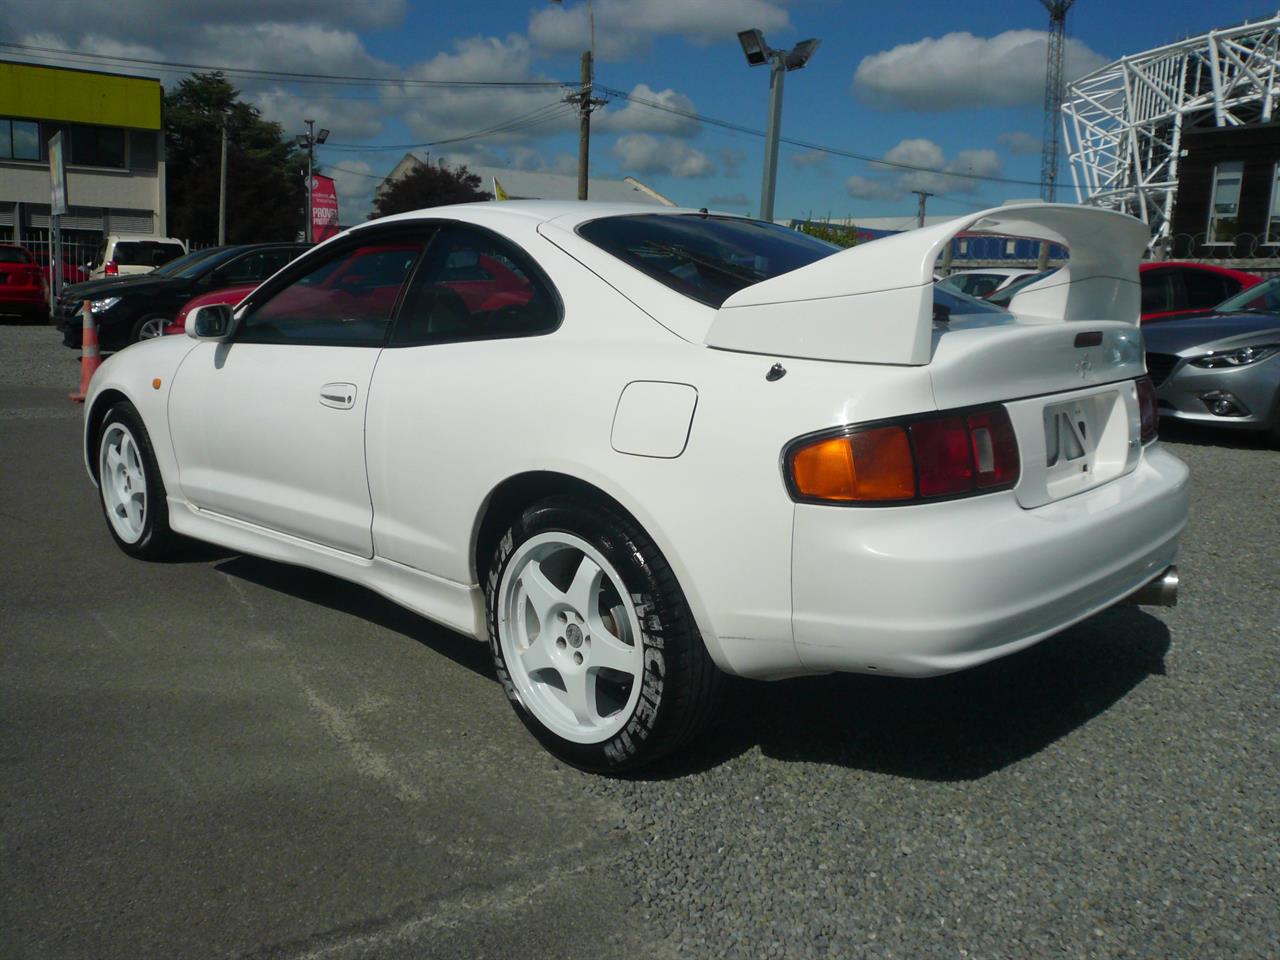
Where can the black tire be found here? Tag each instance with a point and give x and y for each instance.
(156, 540)
(681, 686)
(136, 333)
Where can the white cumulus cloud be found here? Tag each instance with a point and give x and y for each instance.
(920, 164)
(960, 70)
(644, 153)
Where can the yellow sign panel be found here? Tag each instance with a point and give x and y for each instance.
(78, 96)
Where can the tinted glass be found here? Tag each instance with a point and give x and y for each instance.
(185, 266)
(348, 299)
(474, 285)
(6, 140)
(706, 258)
(1263, 296)
(1203, 290)
(960, 304)
(26, 140)
(257, 266)
(14, 255)
(145, 253)
(1155, 291)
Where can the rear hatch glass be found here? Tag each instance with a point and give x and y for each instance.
(145, 253)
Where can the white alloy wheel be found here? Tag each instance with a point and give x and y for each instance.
(151, 328)
(123, 482)
(570, 637)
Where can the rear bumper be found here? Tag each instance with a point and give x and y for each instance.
(931, 589)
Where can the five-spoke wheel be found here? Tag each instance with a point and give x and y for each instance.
(130, 486)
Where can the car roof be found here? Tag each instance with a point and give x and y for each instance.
(1242, 275)
(568, 213)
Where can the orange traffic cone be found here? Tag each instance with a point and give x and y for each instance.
(90, 358)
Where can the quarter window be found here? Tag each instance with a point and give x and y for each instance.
(1273, 218)
(346, 300)
(1224, 202)
(473, 285)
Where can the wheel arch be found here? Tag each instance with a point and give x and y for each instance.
(104, 401)
(508, 498)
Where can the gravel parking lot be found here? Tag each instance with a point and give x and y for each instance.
(227, 757)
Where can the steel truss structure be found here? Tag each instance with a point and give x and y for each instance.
(1124, 123)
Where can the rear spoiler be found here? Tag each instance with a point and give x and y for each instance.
(873, 303)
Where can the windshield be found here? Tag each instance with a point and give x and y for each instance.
(959, 304)
(706, 258)
(1263, 297)
(1004, 297)
(145, 253)
(177, 268)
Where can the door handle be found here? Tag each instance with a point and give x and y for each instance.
(340, 396)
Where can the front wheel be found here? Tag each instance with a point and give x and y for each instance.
(593, 640)
(148, 328)
(130, 487)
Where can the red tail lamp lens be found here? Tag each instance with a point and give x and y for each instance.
(943, 456)
(948, 455)
(112, 269)
(1148, 409)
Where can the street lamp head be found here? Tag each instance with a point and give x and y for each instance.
(799, 55)
(754, 47)
(322, 136)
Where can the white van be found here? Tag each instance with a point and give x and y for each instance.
(121, 255)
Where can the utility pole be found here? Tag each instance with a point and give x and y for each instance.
(923, 195)
(309, 140)
(585, 103)
(222, 188)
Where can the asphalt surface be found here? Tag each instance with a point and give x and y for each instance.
(224, 757)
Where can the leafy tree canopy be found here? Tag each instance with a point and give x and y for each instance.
(266, 192)
(839, 234)
(429, 185)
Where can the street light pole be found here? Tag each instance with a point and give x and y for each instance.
(780, 62)
(777, 74)
(222, 188)
(311, 151)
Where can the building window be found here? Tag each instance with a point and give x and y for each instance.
(19, 140)
(142, 150)
(97, 146)
(1224, 203)
(1273, 219)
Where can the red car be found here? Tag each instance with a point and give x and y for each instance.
(1171, 288)
(22, 287)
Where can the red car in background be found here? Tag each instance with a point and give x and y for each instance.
(231, 295)
(22, 285)
(1172, 288)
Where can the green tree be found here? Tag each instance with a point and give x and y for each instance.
(266, 192)
(839, 234)
(429, 185)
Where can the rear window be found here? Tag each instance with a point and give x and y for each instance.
(705, 258)
(14, 255)
(145, 253)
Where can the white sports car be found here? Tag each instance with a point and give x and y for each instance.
(636, 450)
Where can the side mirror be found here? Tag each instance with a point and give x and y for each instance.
(215, 322)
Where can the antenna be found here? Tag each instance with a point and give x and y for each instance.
(1053, 95)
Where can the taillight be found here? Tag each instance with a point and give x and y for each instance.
(939, 456)
(1148, 409)
(111, 269)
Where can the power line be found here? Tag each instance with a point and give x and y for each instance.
(543, 114)
(290, 76)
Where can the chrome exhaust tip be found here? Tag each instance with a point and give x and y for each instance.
(1160, 592)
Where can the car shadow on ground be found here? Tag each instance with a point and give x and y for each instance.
(346, 597)
(1200, 435)
(959, 727)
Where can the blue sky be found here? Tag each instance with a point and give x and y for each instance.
(954, 87)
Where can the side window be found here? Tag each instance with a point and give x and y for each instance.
(346, 300)
(1204, 289)
(474, 285)
(255, 267)
(1155, 291)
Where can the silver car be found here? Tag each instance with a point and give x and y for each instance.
(1221, 368)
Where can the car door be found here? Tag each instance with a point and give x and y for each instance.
(470, 324)
(268, 428)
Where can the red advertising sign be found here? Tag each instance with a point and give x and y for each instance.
(324, 208)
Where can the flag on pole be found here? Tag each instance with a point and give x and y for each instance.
(498, 192)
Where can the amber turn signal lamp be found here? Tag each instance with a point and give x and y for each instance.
(867, 466)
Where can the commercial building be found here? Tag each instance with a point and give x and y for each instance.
(113, 145)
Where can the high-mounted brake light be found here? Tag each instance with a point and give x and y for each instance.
(952, 454)
(1148, 409)
(111, 269)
